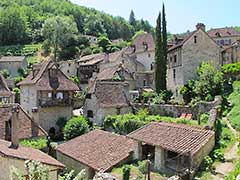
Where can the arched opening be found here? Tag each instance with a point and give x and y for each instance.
(52, 132)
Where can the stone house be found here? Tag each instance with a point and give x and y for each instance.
(174, 148)
(231, 54)
(69, 68)
(185, 55)
(106, 98)
(96, 151)
(13, 64)
(12, 154)
(6, 96)
(48, 91)
(28, 128)
(224, 36)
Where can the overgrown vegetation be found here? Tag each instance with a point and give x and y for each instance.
(231, 68)
(234, 99)
(76, 126)
(36, 143)
(126, 123)
(206, 87)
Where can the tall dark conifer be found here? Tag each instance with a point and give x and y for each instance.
(164, 46)
(132, 19)
(158, 56)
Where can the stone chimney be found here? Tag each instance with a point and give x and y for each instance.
(15, 127)
(200, 26)
(35, 122)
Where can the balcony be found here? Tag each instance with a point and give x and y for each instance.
(55, 102)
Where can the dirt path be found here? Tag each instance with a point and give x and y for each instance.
(223, 169)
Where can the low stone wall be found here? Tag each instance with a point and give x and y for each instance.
(177, 110)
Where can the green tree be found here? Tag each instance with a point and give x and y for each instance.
(104, 42)
(164, 51)
(13, 26)
(159, 83)
(59, 32)
(75, 127)
(209, 83)
(132, 19)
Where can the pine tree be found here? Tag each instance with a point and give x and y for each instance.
(158, 56)
(164, 46)
(132, 19)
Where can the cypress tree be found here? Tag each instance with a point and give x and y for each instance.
(132, 19)
(158, 56)
(164, 46)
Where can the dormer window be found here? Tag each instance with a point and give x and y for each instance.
(195, 39)
(217, 34)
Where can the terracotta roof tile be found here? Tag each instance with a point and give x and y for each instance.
(144, 38)
(42, 79)
(223, 32)
(178, 138)
(27, 153)
(98, 149)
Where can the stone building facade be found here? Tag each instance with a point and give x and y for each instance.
(186, 55)
(50, 92)
(106, 98)
(13, 64)
(6, 96)
(224, 36)
(69, 68)
(231, 54)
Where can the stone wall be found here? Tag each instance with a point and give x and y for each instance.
(177, 110)
(75, 165)
(6, 163)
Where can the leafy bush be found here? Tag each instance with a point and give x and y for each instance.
(19, 50)
(37, 143)
(143, 166)
(233, 175)
(61, 122)
(204, 118)
(218, 155)
(17, 92)
(231, 68)
(126, 172)
(208, 164)
(75, 127)
(5, 73)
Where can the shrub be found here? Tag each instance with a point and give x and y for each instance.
(75, 127)
(208, 164)
(17, 92)
(37, 143)
(204, 118)
(5, 73)
(143, 167)
(218, 155)
(231, 68)
(61, 122)
(126, 172)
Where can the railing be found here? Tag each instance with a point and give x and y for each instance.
(55, 102)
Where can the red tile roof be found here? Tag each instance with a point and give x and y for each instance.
(25, 130)
(42, 80)
(178, 138)
(223, 32)
(27, 153)
(98, 149)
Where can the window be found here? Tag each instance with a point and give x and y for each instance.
(68, 71)
(195, 39)
(88, 96)
(174, 74)
(170, 59)
(175, 58)
(144, 82)
(149, 55)
(49, 95)
(152, 66)
(59, 95)
(222, 42)
(229, 41)
(176, 92)
(90, 114)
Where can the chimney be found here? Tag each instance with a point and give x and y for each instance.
(15, 127)
(106, 58)
(200, 26)
(35, 122)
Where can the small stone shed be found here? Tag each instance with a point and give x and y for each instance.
(96, 151)
(173, 147)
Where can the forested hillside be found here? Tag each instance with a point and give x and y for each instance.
(21, 21)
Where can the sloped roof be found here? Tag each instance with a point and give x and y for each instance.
(25, 129)
(27, 153)
(178, 138)
(98, 149)
(144, 38)
(4, 90)
(111, 94)
(12, 58)
(42, 80)
(223, 32)
(91, 59)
